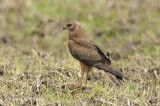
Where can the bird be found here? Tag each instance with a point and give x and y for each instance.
(88, 53)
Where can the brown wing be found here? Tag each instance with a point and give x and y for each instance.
(87, 51)
(107, 59)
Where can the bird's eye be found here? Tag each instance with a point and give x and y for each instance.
(69, 25)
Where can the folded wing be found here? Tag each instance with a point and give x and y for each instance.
(90, 54)
(87, 51)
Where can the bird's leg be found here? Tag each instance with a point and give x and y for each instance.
(84, 68)
(88, 70)
(82, 71)
(81, 78)
(86, 77)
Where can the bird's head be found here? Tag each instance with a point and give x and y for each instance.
(72, 26)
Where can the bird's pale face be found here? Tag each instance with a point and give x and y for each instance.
(71, 26)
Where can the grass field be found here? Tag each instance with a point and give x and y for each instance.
(36, 66)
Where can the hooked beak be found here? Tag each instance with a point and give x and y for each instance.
(65, 27)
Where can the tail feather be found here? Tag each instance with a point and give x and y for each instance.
(107, 68)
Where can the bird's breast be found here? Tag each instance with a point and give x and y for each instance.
(71, 47)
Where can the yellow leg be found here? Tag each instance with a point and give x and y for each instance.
(86, 77)
(82, 77)
(84, 68)
(88, 70)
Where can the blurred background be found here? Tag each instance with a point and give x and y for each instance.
(129, 27)
(35, 63)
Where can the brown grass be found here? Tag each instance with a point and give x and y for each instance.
(36, 67)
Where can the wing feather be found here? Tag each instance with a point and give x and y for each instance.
(87, 51)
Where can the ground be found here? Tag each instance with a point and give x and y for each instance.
(36, 67)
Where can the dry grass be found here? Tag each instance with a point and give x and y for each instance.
(36, 67)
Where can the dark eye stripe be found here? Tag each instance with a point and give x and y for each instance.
(69, 24)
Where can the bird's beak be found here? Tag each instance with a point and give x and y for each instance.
(65, 27)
